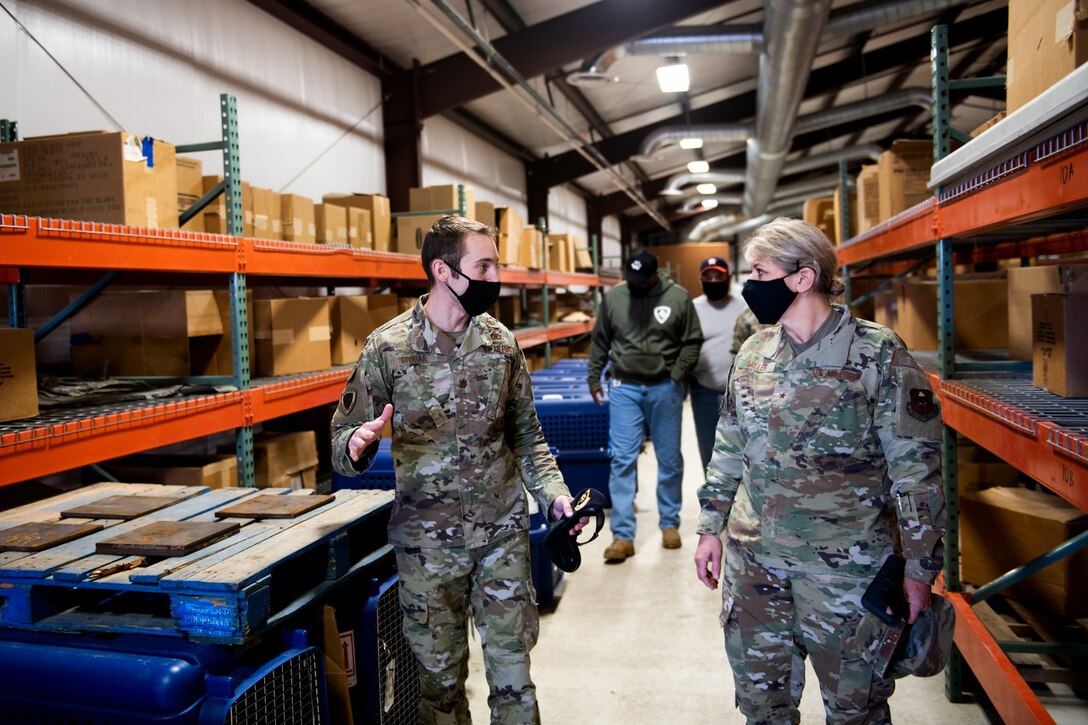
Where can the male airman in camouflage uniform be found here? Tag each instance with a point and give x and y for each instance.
(466, 444)
(826, 460)
(746, 326)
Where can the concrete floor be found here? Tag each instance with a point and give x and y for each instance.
(639, 642)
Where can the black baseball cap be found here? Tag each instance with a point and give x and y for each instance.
(640, 268)
(714, 263)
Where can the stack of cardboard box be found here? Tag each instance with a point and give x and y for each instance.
(1047, 40)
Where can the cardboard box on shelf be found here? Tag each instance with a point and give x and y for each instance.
(116, 178)
(903, 172)
(510, 225)
(353, 318)
(1060, 331)
(215, 213)
(583, 260)
(820, 212)
(561, 252)
(978, 469)
(380, 219)
(285, 460)
(1003, 528)
(412, 230)
(443, 198)
(292, 335)
(868, 183)
(485, 212)
(177, 470)
(530, 250)
(981, 313)
(836, 215)
(332, 224)
(190, 189)
(18, 378)
(1047, 40)
(509, 311)
(360, 235)
(221, 361)
(299, 223)
(1027, 281)
(267, 223)
(173, 333)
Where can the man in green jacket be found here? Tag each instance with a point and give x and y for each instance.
(649, 331)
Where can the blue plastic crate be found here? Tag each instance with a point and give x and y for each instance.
(546, 575)
(586, 469)
(134, 680)
(577, 363)
(572, 421)
(380, 475)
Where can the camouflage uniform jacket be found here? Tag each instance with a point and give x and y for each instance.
(466, 438)
(828, 460)
(747, 325)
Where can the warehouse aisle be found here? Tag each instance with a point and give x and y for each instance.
(639, 643)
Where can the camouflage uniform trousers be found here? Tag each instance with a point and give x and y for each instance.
(773, 619)
(437, 587)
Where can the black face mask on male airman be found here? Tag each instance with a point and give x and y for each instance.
(478, 296)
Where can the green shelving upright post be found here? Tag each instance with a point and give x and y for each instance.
(9, 131)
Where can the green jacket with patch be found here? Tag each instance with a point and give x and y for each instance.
(647, 339)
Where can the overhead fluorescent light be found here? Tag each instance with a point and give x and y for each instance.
(710, 203)
(673, 78)
(698, 166)
(691, 143)
(706, 189)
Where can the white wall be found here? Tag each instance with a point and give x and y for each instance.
(158, 69)
(611, 249)
(452, 155)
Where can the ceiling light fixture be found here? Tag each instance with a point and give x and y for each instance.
(698, 166)
(710, 203)
(673, 78)
(691, 143)
(706, 189)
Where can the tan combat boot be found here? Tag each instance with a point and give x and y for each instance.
(670, 538)
(619, 550)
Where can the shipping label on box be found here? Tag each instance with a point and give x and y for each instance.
(292, 335)
(18, 378)
(1027, 281)
(116, 178)
(1060, 334)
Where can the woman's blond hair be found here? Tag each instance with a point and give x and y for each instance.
(793, 244)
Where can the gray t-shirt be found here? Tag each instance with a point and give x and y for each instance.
(717, 320)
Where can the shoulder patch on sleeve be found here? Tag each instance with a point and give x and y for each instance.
(347, 402)
(917, 410)
(902, 358)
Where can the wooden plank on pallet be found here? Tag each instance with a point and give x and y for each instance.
(44, 563)
(274, 507)
(49, 509)
(166, 538)
(39, 535)
(236, 572)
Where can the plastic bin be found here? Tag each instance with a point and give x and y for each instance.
(572, 421)
(139, 679)
(586, 469)
(380, 475)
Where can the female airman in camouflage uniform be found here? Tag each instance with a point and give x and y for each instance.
(826, 461)
(466, 445)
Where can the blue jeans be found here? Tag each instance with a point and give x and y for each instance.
(706, 406)
(631, 406)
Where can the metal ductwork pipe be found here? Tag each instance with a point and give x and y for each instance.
(672, 188)
(687, 39)
(888, 13)
(852, 153)
(792, 30)
(808, 186)
(717, 133)
(722, 199)
(864, 109)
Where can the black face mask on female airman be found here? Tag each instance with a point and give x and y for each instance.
(768, 299)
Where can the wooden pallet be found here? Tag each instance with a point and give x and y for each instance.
(225, 592)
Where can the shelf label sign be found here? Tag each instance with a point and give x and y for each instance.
(9, 165)
(347, 649)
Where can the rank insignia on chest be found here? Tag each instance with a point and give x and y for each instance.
(922, 406)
